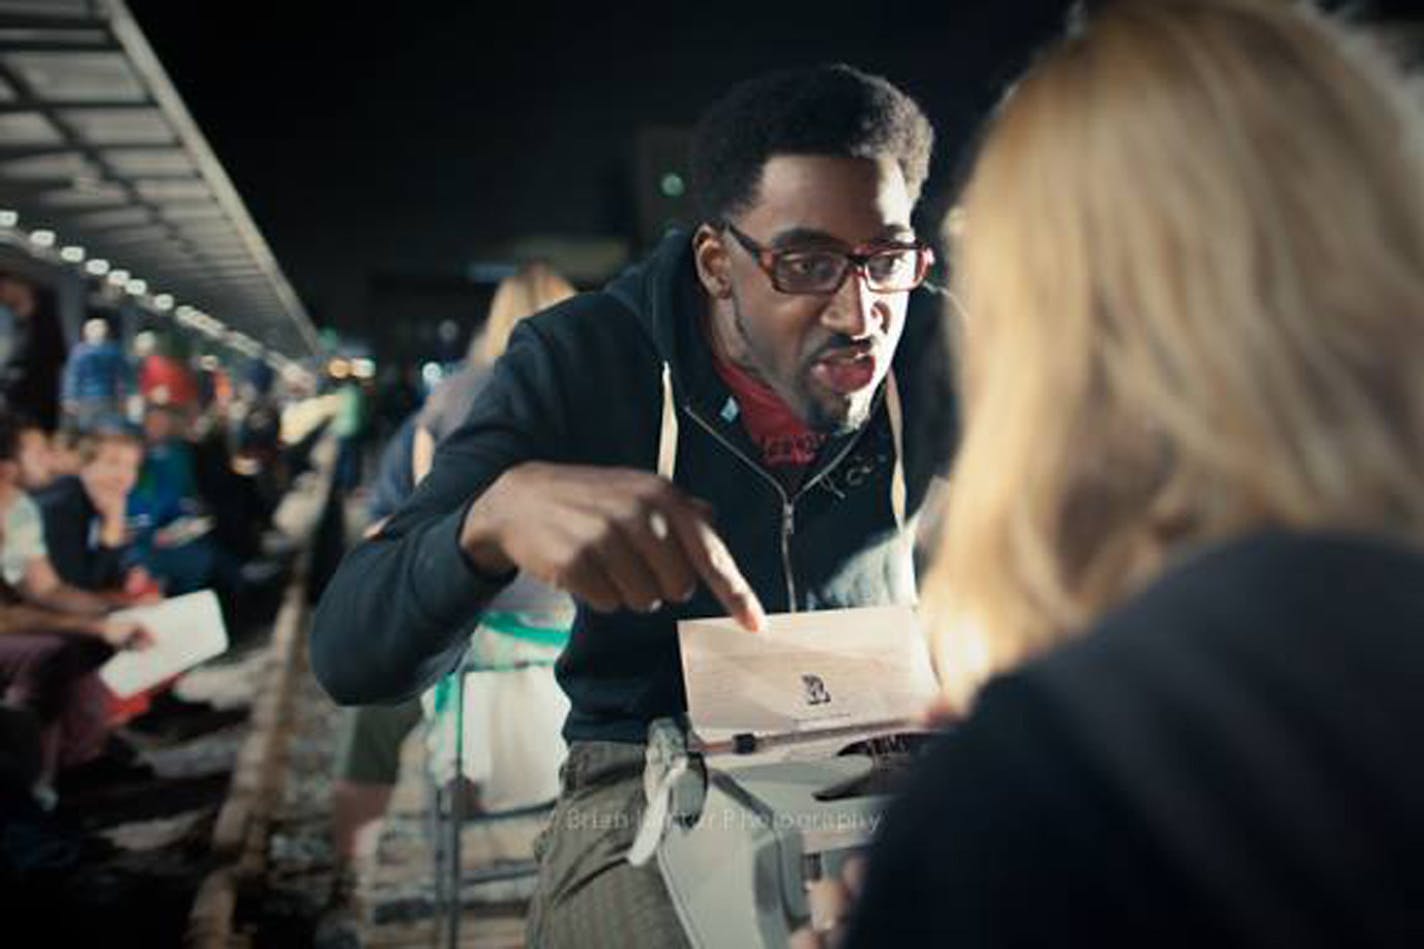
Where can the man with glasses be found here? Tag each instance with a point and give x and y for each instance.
(734, 427)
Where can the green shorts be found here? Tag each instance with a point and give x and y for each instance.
(369, 739)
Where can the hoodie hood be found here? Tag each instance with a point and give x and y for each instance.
(663, 292)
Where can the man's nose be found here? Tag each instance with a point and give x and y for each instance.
(855, 308)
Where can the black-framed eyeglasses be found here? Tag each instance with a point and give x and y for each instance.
(888, 268)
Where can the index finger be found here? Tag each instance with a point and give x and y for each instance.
(806, 938)
(853, 874)
(828, 902)
(713, 562)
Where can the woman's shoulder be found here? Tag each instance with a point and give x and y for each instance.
(1287, 592)
(1252, 677)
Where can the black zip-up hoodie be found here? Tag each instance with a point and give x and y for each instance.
(583, 383)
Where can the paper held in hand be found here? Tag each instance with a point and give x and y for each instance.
(186, 630)
(847, 673)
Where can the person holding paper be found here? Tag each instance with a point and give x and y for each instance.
(34, 456)
(1192, 269)
(53, 637)
(740, 424)
(25, 563)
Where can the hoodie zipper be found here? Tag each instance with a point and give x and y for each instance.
(788, 502)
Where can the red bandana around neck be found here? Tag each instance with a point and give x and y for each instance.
(787, 444)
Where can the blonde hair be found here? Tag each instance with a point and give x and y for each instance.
(532, 288)
(1192, 269)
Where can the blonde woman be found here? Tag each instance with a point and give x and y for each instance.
(1192, 271)
(510, 743)
(533, 287)
(369, 737)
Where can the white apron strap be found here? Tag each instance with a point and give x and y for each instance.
(667, 440)
(897, 426)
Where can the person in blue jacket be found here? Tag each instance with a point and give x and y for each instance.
(97, 379)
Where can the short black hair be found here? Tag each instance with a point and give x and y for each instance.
(824, 110)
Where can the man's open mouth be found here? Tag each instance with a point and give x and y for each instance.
(845, 370)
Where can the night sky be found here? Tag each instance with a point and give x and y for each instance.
(407, 140)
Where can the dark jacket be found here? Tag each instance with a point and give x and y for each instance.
(582, 383)
(71, 526)
(1231, 759)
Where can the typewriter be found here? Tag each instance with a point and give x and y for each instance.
(743, 815)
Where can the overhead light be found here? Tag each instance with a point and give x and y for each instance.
(42, 238)
(9, 218)
(363, 368)
(163, 301)
(98, 266)
(137, 287)
(72, 253)
(184, 312)
(119, 278)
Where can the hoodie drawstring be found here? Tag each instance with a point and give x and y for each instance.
(667, 440)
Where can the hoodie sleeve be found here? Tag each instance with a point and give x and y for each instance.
(396, 614)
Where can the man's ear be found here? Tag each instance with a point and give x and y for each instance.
(713, 267)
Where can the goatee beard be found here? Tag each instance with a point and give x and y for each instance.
(813, 415)
(855, 418)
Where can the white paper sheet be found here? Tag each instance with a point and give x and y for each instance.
(186, 630)
(806, 672)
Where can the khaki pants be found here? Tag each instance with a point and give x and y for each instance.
(588, 894)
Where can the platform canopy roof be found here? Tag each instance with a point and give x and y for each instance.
(99, 154)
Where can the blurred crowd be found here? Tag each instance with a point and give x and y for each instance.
(128, 474)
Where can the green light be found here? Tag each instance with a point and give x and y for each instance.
(672, 185)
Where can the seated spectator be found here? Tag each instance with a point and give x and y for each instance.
(256, 422)
(171, 529)
(53, 636)
(64, 453)
(1192, 273)
(237, 500)
(85, 515)
(24, 560)
(34, 456)
(32, 350)
(17, 305)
